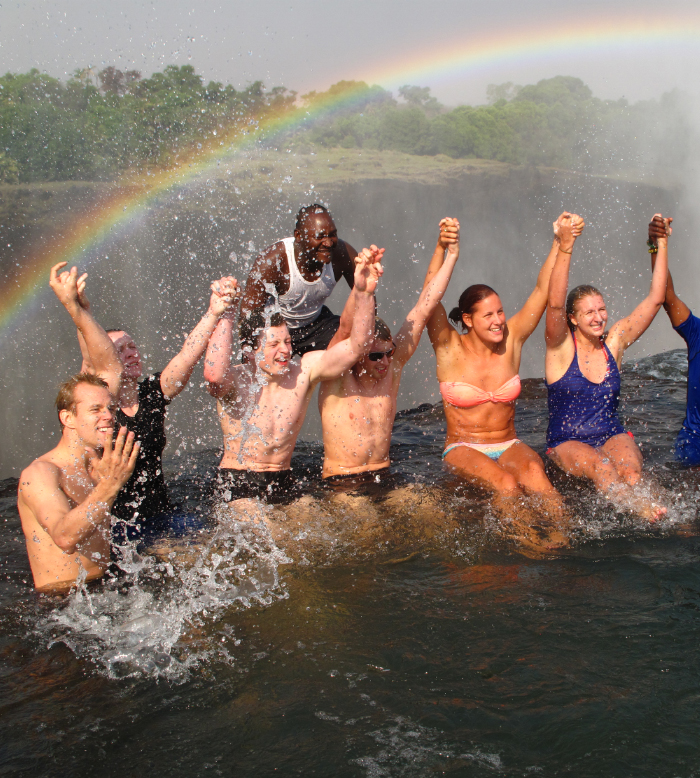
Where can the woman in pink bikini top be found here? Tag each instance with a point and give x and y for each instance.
(481, 441)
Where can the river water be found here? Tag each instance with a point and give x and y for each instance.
(398, 637)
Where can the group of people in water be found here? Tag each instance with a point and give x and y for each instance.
(103, 484)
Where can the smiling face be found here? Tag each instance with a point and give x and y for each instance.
(590, 315)
(376, 368)
(317, 237)
(92, 416)
(274, 351)
(128, 353)
(487, 319)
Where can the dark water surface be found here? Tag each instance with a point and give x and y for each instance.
(429, 646)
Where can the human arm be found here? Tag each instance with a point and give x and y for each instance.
(40, 488)
(335, 360)
(218, 370)
(409, 335)
(94, 341)
(344, 262)
(178, 371)
(677, 310)
(566, 229)
(556, 331)
(440, 331)
(347, 315)
(626, 331)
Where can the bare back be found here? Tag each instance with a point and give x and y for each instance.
(57, 478)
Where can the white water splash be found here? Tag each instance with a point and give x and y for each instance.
(158, 621)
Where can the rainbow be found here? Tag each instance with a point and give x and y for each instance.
(137, 192)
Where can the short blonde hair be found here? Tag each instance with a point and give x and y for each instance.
(65, 399)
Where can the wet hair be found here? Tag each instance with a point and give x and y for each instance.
(65, 399)
(309, 210)
(467, 301)
(381, 330)
(576, 294)
(254, 323)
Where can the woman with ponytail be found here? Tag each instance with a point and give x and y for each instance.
(477, 365)
(582, 368)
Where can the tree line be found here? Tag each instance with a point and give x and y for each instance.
(98, 125)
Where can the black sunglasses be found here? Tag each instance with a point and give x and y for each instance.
(375, 356)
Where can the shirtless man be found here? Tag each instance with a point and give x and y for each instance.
(302, 271)
(358, 407)
(65, 496)
(262, 402)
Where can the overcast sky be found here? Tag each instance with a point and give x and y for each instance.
(308, 45)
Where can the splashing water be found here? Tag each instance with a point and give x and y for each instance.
(149, 622)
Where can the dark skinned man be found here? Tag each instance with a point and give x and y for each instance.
(303, 271)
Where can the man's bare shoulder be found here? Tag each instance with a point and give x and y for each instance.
(274, 257)
(41, 473)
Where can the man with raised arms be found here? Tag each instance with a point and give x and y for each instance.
(262, 402)
(297, 274)
(65, 496)
(359, 406)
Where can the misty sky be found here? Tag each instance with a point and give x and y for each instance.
(308, 45)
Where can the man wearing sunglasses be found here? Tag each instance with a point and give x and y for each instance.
(358, 408)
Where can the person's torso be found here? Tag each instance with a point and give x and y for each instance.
(357, 423)
(145, 491)
(262, 421)
(489, 422)
(580, 408)
(302, 302)
(53, 568)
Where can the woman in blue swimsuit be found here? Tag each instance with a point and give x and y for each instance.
(582, 369)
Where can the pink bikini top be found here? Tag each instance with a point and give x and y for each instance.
(463, 395)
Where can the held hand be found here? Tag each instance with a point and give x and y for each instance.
(368, 269)
(115, 466)
(82, 297)
(577, 225)
(224, 293)
(567, 228)
(65, 285)
(659, 228)
(449, 232)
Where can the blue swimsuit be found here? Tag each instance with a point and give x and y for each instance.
(582, 410)
(688, 441)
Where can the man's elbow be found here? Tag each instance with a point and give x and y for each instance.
(66, 544)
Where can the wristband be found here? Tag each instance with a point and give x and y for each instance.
(564, 251)
(653, 248)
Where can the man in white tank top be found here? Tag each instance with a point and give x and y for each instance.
(296, 275)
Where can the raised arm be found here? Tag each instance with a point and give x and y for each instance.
(40, 489)
(566, 229)
(439, 328)
(337, 359)
(178, 371)
(409, 335)
(98, 347)
(624, 332)
(347, 315)
(677, 310)
(556, 330)
(218, 368)
(344, 262)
